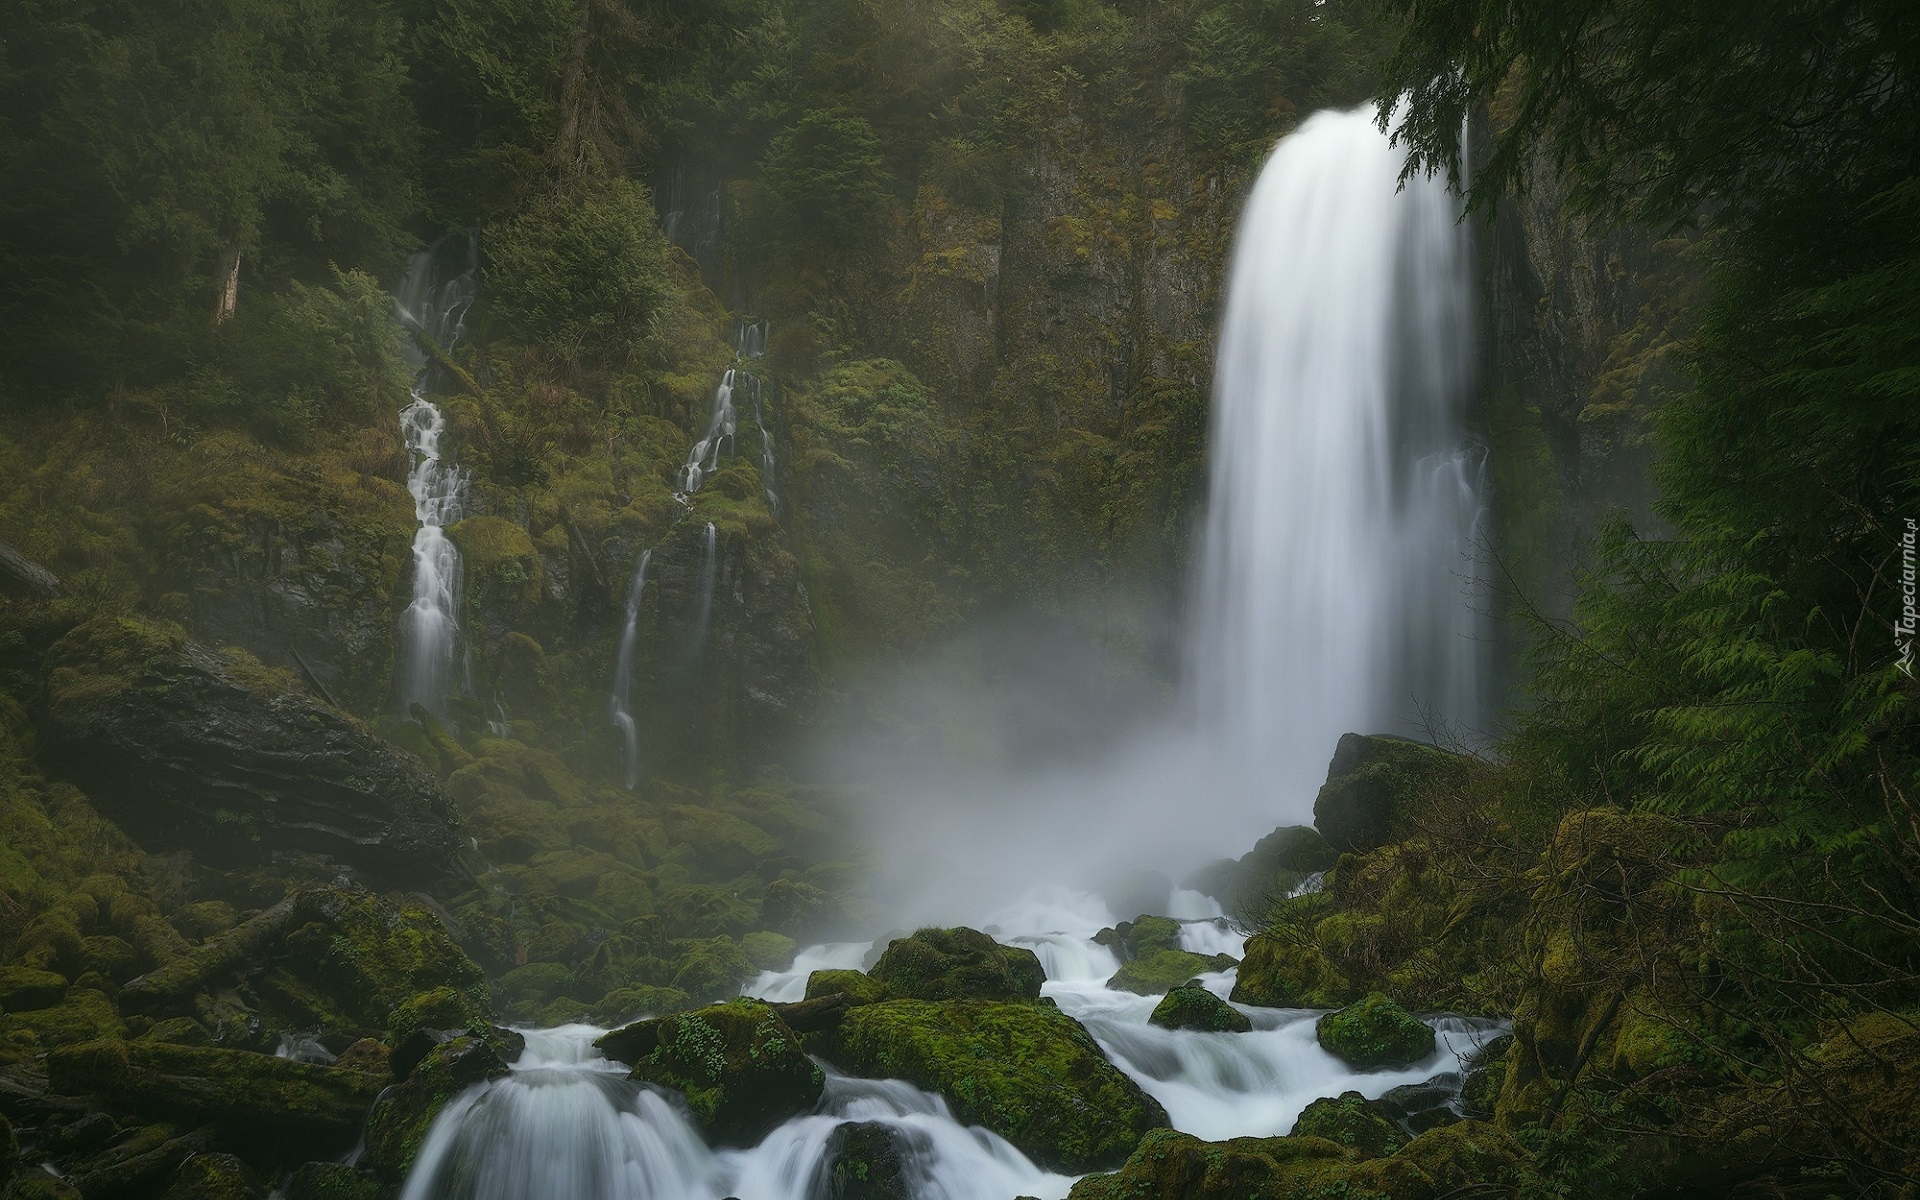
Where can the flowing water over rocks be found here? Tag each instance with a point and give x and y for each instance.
(432, 304)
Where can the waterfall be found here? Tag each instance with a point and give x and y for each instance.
(620, 701)
(1336, 587)
(750, 344)
(703, 597)
(432, 303)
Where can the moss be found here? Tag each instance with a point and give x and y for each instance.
(1193, 1007)
(768, 951)
(496, 550)
(1163, 970)
(83, 1016)
(535, 981)
(332, 1181)
(1351, 1122)
(639, 1001)
(718, 844)
(712, 969)
(27, 987)
(104, 659)
(372, 953)
(398, 1124)
(700, 910)
(298, 1104)
(1028, 1072)
(1375, 1034)
(443, 1008)
(1141, 936)
(858, 985)
(213, 1177)
(739, 1066)
(958, 964)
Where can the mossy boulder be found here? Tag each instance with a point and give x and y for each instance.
(1141, 936)
(1352, 1122)
(397, 1126)
(86, 1014)
(869, 1160)
(208, 751)
(296, 1105)
(1191, 1006)
(372, 953)
(1461, 1159)
(26, 987)
(1276, 865)
(858, 986)
(1375, 1034)
(739, 1066)
(214, 1176)
(1270, 974)
(1376, 787)
(1163, 970)
(767, 950)
(958, 964)
(711, 969)
(1486, 1076)
(1028, 1072)
(332, 1181)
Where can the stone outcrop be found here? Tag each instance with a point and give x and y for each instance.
(189, 748)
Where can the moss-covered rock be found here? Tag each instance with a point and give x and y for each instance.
(1163, 970)
(397, 1126)
(371, 953)
(739, 1066)
(1375, 1034)
(860, 987)
(1461, 1159)
(1376, 786)
(207, 751)
(711, 969)
(213, 1177)
(1352, 1122)
(767, 950)
(332, 1181)
(87, 1014)
(1191, 1006)
(26, 987)
(1277, 864)
(1141, 936)
(1028, 1072)
(869, 1160)
(297, 1105)
(1486, 1074)
(958, 964)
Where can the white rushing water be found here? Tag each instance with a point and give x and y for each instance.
(620, 700)
(718, 442)
(568, 1123)
(432, 302)
(1337, 587)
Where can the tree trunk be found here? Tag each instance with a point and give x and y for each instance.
(22, 576)
(229, 287)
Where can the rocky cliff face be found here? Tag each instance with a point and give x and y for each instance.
(188, 748)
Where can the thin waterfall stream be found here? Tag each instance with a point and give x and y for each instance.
(1336, 582)
(432, 303)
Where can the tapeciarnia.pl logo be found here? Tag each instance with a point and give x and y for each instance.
(1903, 629)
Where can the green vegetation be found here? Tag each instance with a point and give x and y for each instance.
(1191, 1006)
(1027, 1071)
(739, 1066)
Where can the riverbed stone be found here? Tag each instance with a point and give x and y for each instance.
(1191, 1006)
(1027, 1071)
(1375, 1034)
(740, 1067)
(958, 964)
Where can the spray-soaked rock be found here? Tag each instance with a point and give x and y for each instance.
(1376, 787)
(958, 964)
(738, 1064)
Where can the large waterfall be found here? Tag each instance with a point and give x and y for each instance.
(1336, 591)
(432, 303)
(1336, 594)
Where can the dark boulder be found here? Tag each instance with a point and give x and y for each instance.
(869, 1160)
(1277, 864)
(1376, 787)
(398, 1124)
(1352, 1122)
(1191, 1006)
(1375, 1034)
(190, 748)
(739, 1065)
(958, 964)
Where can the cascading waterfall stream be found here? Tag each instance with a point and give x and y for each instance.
(620, 702)
(750, 344)
(432, 303)
(703, 597)
(1336, 592)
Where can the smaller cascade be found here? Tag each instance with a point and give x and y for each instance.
(703, 598)
(432, 304)
(620, 702)
(739, 383)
